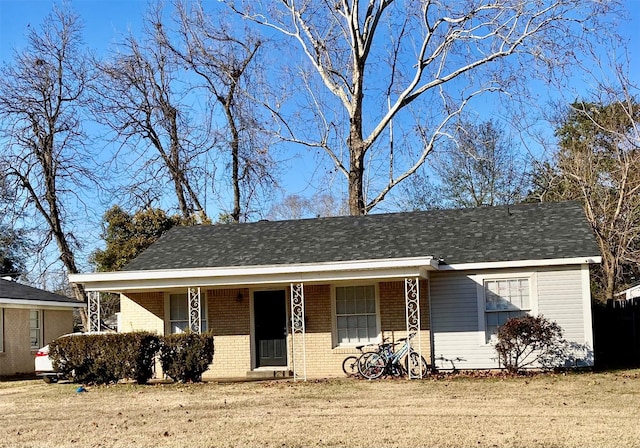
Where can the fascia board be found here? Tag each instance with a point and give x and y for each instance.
(520, 263)
(252, 279)
(239, 271)
(40, 304)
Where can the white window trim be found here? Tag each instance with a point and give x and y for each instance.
(480, 279)
(40, 329)
(167, 308)
(334, 318)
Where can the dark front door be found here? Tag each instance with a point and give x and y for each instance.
(270, 318)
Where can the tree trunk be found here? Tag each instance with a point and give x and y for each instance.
(356, 182)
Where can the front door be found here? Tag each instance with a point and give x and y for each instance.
(270, 318)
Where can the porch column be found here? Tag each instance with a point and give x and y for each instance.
(194, 310)
(412, 301)
(94, 311)
(299, 349)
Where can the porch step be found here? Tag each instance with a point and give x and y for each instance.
(266, 374)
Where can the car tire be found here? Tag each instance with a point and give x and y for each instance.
(50, 379)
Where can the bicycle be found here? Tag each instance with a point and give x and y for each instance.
(373, 365)
(454, 369)
(350, 363)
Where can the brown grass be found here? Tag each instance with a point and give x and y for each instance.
(575, 410)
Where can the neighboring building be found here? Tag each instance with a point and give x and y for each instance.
(29, 319)
(298, 296)
(630, 293)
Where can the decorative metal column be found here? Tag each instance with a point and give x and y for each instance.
(412, 298)
(299, 348)
(94, 311)
(194, 310)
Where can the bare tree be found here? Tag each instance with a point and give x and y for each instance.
(42, 92)
(142, 98)
(299, 207)
(479, 167)
(225, 61)
(376, 59)
(598, 163)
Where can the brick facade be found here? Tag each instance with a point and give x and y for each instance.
(17, 356)
(229, 317)
(142, 312)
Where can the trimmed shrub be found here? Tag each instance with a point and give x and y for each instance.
(105, 358)
(185, 357)
(530, 341)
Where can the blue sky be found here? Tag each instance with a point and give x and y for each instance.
(105, 21)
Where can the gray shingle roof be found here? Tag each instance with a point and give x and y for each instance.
(18, 291)
(519, 232)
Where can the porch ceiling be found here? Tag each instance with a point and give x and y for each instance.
(124, 281)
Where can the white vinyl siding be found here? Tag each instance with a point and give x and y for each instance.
(458, 310)
(179, 314)
(35, 329)
(356, 314)
(561, 300)
(454, 319)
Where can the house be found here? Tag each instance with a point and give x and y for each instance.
(629, 293)
(29, 319)
(298, 296)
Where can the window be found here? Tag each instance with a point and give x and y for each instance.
(504, 299)
(179, 314)
(35, 329)
(356, 317)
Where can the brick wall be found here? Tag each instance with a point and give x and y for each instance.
(325, 360)
(229, 318)
(393, 313)
(17, 356)
(57, 323)
(142, 312)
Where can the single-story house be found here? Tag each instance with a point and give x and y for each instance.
(29, 319)
(629, 293)
(298, 296)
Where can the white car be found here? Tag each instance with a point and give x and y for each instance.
(44, 365)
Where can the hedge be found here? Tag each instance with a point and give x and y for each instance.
(111, 357)
(185, 357)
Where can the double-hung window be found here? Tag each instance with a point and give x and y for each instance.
(179, 314)
(356, 315)
(504, 299)
(35, 328)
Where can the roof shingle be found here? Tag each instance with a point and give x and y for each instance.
(18, 291)
(507, 233)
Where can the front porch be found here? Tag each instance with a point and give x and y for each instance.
(302, 329)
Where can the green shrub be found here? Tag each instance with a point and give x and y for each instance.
(530, 341)
(185, 357)
(105, 358)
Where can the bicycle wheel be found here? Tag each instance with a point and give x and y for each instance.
(416, 365)
(350, 365)
(371, 365)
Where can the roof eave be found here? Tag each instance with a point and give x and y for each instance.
(256, 275)
(8, 302)
(596, 259)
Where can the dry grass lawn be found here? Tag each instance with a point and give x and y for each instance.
(575, 410)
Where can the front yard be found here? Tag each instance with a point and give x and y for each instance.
(574, 410)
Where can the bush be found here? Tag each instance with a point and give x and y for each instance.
(530, 341)
(185, 357)
(105, 358)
